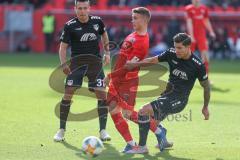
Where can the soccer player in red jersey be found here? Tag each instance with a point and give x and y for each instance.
(197, 24)
(123, 83)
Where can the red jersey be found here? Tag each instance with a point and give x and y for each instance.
(134, 47)
(198, 15)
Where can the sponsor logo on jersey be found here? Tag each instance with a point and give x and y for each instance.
(96, 27)
(180, 74)
(88, 37)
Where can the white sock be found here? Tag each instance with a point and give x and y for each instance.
(132, 143)
(158, 131)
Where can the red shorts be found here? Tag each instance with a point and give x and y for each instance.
(124, 94)
(201, 44)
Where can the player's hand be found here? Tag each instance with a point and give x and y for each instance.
(193, 39)
(106, 59)
(213, 35)
(205, 112)
(66, 69)
(130, 65)
(106, 81)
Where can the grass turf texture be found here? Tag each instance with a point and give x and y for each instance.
(28, 121)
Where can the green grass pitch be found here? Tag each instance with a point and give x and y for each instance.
(28, 121)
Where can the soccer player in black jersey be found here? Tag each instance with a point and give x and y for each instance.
(185, 68)
(83, 34)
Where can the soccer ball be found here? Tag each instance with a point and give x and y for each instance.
(92, 146)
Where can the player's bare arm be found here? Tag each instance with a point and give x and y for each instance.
(144, 63)
(206, 93)
(63, 59)
(209, 28)
(190, 28)
(105, 42)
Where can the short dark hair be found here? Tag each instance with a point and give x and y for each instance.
(183, 38)
(81, 1)
(143, 11)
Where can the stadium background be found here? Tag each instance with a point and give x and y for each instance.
(168, 19)
(27, 103)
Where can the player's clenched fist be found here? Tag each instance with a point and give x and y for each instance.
(66, 69)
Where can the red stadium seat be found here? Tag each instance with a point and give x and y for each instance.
(60, 4)
(230, 9)
(114, 8)
(159, 8)
(218, 9)
(181, 8)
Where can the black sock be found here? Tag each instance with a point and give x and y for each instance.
(64, 110)
(102, 114)
(144, 126)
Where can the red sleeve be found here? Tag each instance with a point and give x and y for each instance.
(188, 13)
(206, 15)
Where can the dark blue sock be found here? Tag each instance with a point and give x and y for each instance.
(102, 114)
(64, 110)
(144, 126)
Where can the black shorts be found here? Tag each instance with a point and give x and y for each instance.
(87, 65)
(168, 104)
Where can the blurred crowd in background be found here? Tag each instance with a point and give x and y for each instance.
(210, 3)
(226, 45)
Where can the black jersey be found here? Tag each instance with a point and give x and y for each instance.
(83, 37)
(183, 73)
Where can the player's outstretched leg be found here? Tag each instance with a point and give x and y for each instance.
(144, 125)
(167, 143)
(154, 127)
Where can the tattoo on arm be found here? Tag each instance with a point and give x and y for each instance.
(206, 93)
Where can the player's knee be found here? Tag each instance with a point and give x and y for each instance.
(113, 108)
(100, 93)
(126, 114)
(145, 110)
(69, 91)
(67, 97)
